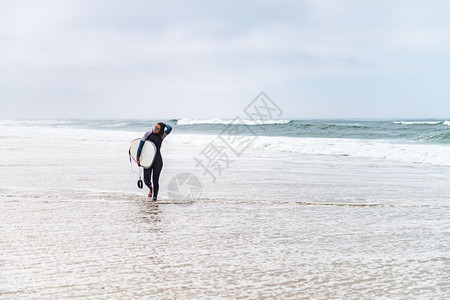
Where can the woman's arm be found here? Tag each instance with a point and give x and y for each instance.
(141, 144)
(167, 130)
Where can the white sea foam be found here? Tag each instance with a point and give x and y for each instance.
(186, 121)
(447, 123)
(116, 125)
(34, 122)
(370, 149)
(418, 122)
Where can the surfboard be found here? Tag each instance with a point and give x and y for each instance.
(147, 154)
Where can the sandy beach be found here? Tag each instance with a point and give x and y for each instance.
(272, 225)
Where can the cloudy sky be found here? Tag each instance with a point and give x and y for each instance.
(209, 59)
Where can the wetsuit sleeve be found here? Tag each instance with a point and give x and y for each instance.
(141, 143)
(167, 131)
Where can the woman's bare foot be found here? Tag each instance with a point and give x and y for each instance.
(150, 194)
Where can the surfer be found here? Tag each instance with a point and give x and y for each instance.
(156, 136)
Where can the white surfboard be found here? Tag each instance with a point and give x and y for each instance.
(147, 154)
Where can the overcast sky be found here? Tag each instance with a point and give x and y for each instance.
(209, 59)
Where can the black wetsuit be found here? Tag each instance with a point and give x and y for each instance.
(156, 166)
(157, 162)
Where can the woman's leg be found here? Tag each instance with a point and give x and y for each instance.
(147, 179)
(157, 167)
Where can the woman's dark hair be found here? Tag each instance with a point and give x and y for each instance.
(163, 127)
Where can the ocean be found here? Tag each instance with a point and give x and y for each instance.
(407, 131)
(295, 209)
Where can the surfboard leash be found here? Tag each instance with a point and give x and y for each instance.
(139, 182)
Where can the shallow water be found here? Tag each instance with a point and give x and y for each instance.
(74, 224)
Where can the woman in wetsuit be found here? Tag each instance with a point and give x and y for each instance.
(156, 136)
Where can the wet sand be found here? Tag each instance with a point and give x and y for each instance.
(272, 226)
